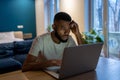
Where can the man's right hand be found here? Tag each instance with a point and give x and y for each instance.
(40, 62)
(53, 62)
(46, 62)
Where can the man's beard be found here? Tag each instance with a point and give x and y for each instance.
(58, 37)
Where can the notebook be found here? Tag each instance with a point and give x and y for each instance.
(77, 60)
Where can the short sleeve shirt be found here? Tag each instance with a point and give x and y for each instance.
(50, 49)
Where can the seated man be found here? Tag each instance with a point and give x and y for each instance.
(47, 49)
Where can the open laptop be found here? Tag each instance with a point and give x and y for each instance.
(76, 60)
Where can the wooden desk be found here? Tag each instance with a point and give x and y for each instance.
(107, 69)
(30, 75)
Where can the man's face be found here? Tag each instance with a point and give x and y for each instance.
(62, 30)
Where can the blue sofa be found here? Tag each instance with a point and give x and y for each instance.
(12, 55)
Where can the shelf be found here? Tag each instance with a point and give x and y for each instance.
(27, 35)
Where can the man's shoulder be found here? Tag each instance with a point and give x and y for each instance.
(45, 35)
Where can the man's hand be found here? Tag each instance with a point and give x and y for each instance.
(53, 62)
(38, 63)
(74, 28)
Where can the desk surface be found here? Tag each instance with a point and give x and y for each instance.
(107, 69)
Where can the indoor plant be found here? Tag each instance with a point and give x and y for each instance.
(92, 37)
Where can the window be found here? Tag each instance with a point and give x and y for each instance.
(114, 15)
(98, 15)
(51, 8)
(110, 24)
(114, 28)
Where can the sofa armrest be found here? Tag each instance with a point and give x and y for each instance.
(22, 47)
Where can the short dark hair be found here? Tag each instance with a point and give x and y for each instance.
(62, 16)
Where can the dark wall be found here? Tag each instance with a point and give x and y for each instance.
(18, 12)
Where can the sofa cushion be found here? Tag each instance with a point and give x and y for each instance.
(6, 50)
(9, 64)
(6, 37)
(22, 47)
(6, 53)
(20, 57)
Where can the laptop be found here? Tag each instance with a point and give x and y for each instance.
(77, 60)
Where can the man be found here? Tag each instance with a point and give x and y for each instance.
(47, 49)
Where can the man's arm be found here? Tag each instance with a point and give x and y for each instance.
(75, 30)
(38, 63)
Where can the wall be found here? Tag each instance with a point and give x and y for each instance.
(76, 9)
(18, 12)
(40, 26)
